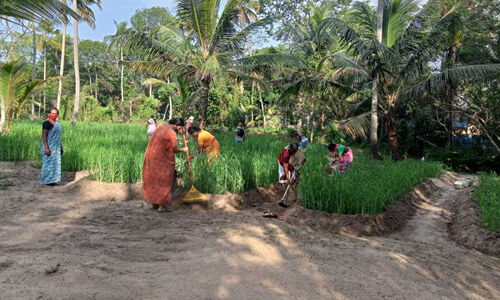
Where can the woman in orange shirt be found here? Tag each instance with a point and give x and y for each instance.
(206, 142)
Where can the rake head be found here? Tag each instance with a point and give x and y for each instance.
(193, 196)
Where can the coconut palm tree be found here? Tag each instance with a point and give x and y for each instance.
(45, 39)
(411, 38)
(61, 66)
(84, 10)
(121, 28)
(218, 46)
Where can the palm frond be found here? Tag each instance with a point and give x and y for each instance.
(37, 10)
(452, 78)
(357, 126)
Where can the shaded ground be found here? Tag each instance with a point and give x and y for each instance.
(84, 241)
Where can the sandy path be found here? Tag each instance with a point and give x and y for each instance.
(107, 248)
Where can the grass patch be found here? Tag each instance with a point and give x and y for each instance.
(488, 194)
(368, 187)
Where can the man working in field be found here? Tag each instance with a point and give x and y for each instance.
(290, 159)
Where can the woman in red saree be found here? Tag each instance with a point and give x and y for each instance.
(159, 166)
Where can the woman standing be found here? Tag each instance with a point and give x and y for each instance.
(206, 142)
(159, 167)
(151, 126)
(51, 149)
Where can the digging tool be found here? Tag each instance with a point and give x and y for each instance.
(183, 162)
(292, 179)
(193, 195)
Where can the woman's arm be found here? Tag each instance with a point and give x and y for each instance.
(45, 143)
(177, 150)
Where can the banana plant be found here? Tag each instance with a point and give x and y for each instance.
(15, 89)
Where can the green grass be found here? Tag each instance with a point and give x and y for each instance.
(488, 194)
(115, 153)
(368, 187)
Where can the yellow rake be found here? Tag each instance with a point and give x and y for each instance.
(193, 195)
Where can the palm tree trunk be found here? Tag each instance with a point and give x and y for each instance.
(77, 68)
(251, 101)
(165, 113)
(374, 104)
(61, 67)
(261, 105)
(130, 108)
(121, 78)
(170, 101)
(374, 120)
(392, 133)
(44, 74)
(300, 112)
(204, 106)
(96, 84)
(322, 119)
(33, 73)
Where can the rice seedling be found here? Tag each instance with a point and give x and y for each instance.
(488, 194)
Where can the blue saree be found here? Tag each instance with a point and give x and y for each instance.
(51, 165)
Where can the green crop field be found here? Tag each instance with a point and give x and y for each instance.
(115, 152)
(488, 194)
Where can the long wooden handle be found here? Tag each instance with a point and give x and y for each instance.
(188, 158)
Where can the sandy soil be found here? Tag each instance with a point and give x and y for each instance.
(92, 240)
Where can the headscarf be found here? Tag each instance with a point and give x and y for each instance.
(340, 149)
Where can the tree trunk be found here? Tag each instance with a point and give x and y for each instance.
(150, 90)
(77, 68)
(374, 104)
(262, 106)
(206, 93)
(96, 84)
(121, 78)
(322, 119)
(61, 67)
(44, 74)
(251, 102)
(392, 133)
(169, 101)
(165, 113)
(33, 74)
(300, 112)
(310, 122)
(374, 120)
(130, 108)
(90, 80)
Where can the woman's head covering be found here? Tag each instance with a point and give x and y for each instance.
(340, 149)
(191, 119)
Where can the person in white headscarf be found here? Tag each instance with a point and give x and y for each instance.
(189, 123)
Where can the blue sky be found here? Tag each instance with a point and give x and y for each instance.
(116, 10)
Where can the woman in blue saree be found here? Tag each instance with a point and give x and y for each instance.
(51, 149)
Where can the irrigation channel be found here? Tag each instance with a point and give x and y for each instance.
(94, 240)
